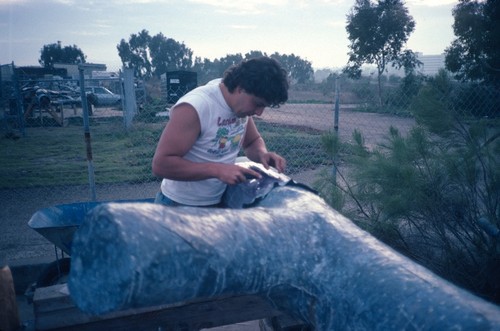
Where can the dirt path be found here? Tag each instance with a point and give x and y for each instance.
(321, 116)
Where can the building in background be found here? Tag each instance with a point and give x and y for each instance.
(431, 64)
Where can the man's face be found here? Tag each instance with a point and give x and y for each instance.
(247, 104)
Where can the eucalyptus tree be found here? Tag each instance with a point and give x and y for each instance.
(135, 53)
(168, 54)
(378, 32)
(154, 55)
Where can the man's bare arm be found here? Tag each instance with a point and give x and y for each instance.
(177, 139)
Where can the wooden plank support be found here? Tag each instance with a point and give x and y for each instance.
(54, 310)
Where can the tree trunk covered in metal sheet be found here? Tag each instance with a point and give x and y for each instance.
(292, 249)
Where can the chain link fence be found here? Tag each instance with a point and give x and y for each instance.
(44, 142)
(55, 150)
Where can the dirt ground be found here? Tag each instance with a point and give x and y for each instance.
(19, 241)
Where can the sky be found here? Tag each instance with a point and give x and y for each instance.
(314, 30)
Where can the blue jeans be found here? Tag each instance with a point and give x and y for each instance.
(163, 200)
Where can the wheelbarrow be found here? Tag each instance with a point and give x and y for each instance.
(58, 225)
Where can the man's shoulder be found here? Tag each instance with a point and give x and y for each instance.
(205, 96)
(208, 90)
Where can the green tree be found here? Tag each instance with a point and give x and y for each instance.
(208, 70)
(205, 70)
(475, 53)
(153, 55)
(300, 70)
(168, 54)
(227, 61)
(135, 53)
(254, 54)
(56, 53)
(377, 33)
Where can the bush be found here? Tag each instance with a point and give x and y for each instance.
(434, 194)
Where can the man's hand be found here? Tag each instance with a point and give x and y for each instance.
(274, 160)
(233, 174)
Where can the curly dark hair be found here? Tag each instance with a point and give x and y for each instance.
(263, 77)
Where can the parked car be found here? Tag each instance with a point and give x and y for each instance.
(102, 97)
(70, 91)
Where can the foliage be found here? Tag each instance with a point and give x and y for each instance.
(208, 70)
(466, 99)
(168, 54)
(435, 193)
(377, 34)
(55, 53)
(408, 87)
(300, 70)
(153, 56)
(134, 54)
(475, 53)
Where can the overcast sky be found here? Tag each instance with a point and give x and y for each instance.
(313, 30)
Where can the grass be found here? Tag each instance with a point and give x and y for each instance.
(54, 156)
(301, 146)
(49, 156)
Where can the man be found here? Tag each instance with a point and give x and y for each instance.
(209, 126)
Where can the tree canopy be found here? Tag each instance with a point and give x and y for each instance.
(56, 53)
(300, 70)
(475, 53)
(377, 32)
(153, 56)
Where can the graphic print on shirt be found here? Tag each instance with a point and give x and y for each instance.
(228, 136)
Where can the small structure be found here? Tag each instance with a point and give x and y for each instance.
(179, 83)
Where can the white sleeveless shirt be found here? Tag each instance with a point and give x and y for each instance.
(220, 141)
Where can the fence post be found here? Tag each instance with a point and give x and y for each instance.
(336, 124)
(19, 102)
(128, 92)
(86, 129)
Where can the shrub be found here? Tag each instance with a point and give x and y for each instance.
(434, 194)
